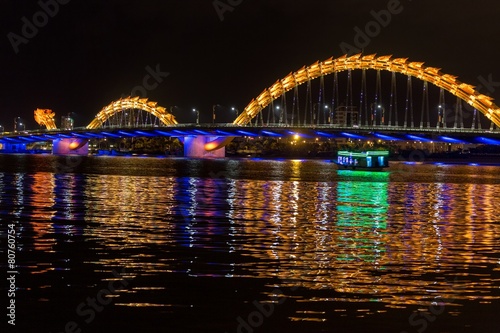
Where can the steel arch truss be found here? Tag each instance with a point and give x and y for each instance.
(433, 75)
(128, 103)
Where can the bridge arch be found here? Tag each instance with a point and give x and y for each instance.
(128, 103)
(433, 75)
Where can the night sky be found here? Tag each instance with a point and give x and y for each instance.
(93, 52)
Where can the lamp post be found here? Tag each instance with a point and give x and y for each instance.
(235, 109)
(326, 119)
(381, 107)
(440, 116)
(280, 118)
(213, 113)
(197, 116)
(172, 108)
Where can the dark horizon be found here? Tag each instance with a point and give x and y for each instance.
(92, 53)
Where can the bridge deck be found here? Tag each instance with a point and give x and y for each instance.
(455, 135)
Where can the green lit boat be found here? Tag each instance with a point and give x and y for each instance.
(372, 160)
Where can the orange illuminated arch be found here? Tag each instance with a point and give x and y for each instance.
(433, 75)
(132, 103)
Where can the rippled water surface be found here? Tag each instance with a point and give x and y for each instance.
(178, 245)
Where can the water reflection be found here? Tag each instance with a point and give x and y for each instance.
(128, 211)
(342, 236)
(361, 219)
(43, 203)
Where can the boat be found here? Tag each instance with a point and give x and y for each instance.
(371, 160)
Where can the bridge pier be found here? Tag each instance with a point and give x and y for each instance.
(13, 148)
(194, 146)
(70, 146)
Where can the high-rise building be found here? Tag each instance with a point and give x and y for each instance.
(345, 116)
(19, 124)
(66, 122)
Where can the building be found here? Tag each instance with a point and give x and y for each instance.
(19, 124)
(346, 116)
(66, 122)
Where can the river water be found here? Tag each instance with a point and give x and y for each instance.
(141, 244)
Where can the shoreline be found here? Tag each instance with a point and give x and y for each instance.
(465, 160)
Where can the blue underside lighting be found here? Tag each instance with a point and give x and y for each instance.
(271, 133)
(450, 140)
(302, 135)
(110, 134)
(84, 133)
(93, 135)
(163, 133)
(418, 138)
(487, 141)
(246, 133)
(125, 133)
(224, 133)
(386, 137)
(25, 138)
(327, 135)
(39, 138)
(78, 135)
(202, 132)
(181, 132)
(352, 136)
(51, 137)
(144, 133)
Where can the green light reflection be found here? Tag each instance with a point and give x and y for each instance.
(362, 205)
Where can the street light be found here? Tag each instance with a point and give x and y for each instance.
(213, 113)
(235, 109)
(172, 108)
(382, 115)
(197, 116)
(440, 115)
(280, 118)
(326, 119)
